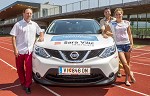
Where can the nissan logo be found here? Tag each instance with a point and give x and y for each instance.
(74, 55)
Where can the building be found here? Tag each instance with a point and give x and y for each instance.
(13, 13)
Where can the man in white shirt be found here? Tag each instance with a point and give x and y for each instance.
(23, 38)
(106, 20)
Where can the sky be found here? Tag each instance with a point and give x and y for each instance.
(5, 3)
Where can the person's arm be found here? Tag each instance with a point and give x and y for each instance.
(102, 26)
(107, 32)
(41, 37)
(130, 38)
(16, 53)
(40, 32)
(103, 32)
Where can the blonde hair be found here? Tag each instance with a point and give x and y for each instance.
(118, 9)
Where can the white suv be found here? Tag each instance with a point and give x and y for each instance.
(75, 53)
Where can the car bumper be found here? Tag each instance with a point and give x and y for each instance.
(103, 71)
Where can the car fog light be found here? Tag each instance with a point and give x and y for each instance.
(38, 75)
(111, 74)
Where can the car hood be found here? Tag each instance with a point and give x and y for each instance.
(75, 42)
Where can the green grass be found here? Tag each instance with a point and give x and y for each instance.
(2, 35)
(141, 42)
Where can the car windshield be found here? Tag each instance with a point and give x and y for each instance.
(74, 27)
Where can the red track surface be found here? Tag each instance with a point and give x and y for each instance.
(10, 86)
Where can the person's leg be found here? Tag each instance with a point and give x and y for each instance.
(126, 67)
(20, 69)
(127, 55)
(28, 64)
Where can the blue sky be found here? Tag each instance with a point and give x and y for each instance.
(5, 3)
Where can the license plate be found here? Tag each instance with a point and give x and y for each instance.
(74, 71)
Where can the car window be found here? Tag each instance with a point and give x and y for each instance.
(74, 27)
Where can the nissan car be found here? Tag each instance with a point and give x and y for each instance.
(74, 53)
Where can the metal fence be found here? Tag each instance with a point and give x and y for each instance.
(76, 6)
(88, 4)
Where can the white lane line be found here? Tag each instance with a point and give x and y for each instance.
(10, 42)
(6, 49)
(6, 43)
(9, 87)
(141, 54)
(136, 49)
(143, 57)
(141, 74)
(131, 90)
(19, 84)
(140, 63)
(6, 40)
(136, 52)
(8, 64)
(50, 90)
(138, 73)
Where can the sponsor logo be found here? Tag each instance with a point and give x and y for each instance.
(114, 23)
(74, 37)
(57, 43)
(79, 43)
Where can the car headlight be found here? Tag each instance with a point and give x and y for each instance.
(108, 51)
(41, 52)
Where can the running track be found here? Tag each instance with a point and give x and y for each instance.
(10, 86)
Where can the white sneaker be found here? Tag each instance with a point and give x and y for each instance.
(127, 83)
(119, 74)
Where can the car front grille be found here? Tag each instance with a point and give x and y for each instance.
(83, 55)
(54, 53)
(95, 53)
(68, 57)
(96, 75)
